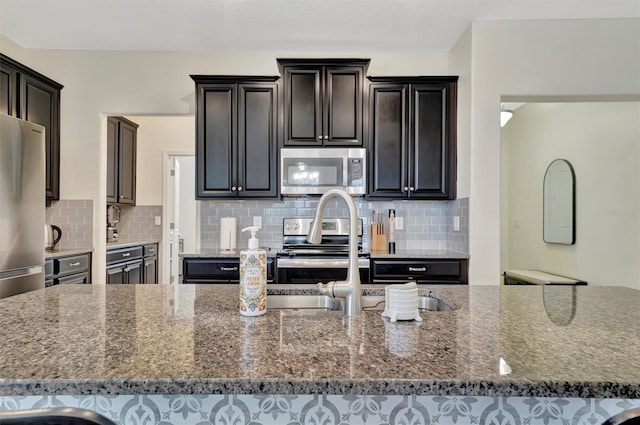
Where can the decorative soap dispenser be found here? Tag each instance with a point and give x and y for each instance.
(253, 277)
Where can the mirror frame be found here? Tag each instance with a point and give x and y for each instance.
(569, 204)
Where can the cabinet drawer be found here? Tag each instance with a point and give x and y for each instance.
(218, 270)
(422, 271)
(123, 254)
(75, 264)
(208, 269)
(78, 278)
(150, 250)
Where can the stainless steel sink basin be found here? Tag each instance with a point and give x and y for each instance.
(324, 303)
(303, 302)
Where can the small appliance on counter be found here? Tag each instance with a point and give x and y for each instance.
(52, 235)
(113, 218)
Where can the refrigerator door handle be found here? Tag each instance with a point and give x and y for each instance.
(26, 271)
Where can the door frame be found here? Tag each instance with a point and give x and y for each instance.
(163, 268)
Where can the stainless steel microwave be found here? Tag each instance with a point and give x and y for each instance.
(313, 171)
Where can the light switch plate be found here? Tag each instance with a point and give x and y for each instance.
(456, 223)
(399, 222)
(157, 220)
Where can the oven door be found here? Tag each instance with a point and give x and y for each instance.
(314, 270)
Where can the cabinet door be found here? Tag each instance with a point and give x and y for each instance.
(134, 271)
(257, 140)
(342, 112)
(78, 278)
(150, 270)
(216, 141)
(388, 140)
(40, 104)
(127, 137)
(431, 150)
(112, 160)
(303, 106)
(116, 274)
(8, 87)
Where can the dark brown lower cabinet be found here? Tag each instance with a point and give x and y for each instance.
(401, 270)
(68, 269)
(125, 265)
(133, 264)
(217, 270)
(150, 266)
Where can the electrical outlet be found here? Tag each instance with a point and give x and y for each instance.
(257, 221)
(456, 223)
(158, 222)
(399, 223)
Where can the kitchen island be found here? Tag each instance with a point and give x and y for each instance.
(174, 351)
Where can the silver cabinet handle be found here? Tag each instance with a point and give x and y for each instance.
(404, 189)
(412, 189)
(233, 188)
(126, 254)
(326, 137)
(229, 269)
(319, 137)
(77, 263)
(417, 269)
(239, 188)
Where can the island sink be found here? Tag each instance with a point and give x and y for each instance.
(325, 303)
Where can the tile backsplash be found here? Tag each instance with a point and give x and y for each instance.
(427, 224)
(137, 223)
(75, 219)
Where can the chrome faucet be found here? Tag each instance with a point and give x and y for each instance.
(348, 289)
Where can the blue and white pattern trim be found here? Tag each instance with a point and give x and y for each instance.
(332, 409)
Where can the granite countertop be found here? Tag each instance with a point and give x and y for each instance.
(434, 254)
(400, 253)
(567, 341)
(215, 252)
(57, 253)
(126, 244)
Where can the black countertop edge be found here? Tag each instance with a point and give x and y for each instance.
(322, 387)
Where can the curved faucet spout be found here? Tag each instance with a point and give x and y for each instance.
(348, 289)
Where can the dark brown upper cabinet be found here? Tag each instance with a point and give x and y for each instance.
(323, 101)
(236, 137)
(412, 137)
(29, 95)
(121, 160)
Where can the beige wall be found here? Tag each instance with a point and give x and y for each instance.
(525, 60)
(156, 135)
(602, 143)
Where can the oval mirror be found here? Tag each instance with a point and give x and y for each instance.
(559, 203)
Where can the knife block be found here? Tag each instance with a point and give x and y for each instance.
(378, 239)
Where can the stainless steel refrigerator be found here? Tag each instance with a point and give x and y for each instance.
(22, 197)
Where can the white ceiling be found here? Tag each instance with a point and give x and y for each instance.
(275, 25)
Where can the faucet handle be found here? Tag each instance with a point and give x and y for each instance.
(326, 290)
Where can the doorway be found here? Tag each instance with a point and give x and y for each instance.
(181, 229)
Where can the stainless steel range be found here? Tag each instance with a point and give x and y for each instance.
(302, 262)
